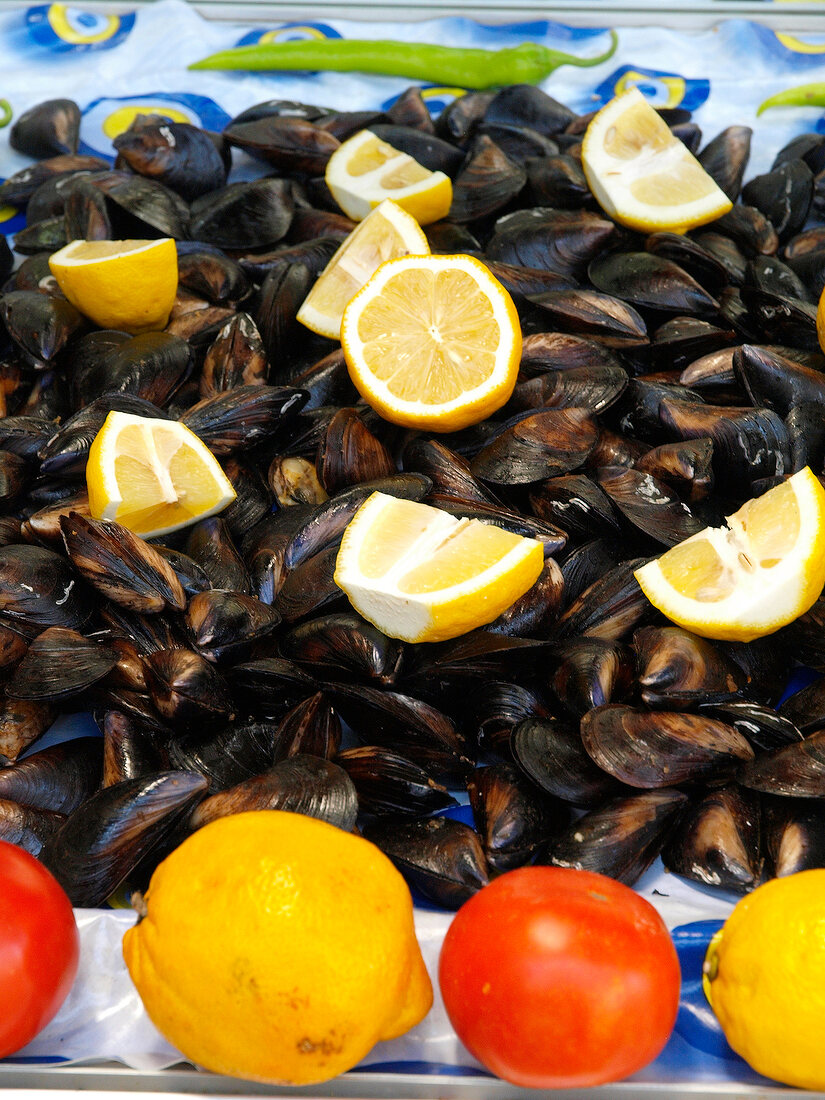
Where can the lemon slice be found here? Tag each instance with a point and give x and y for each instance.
(422, 575)
(365, 170)
(126, 285)
(433, 342)
(385, 234)
(749, 579)
(153, 476)
(642, 175)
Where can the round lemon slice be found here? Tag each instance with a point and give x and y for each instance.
(422, 575)
(642, 175)
(126, 285)
(365, 170)
(385, 234)
(433, 342)
(752, 577)
(153, 476)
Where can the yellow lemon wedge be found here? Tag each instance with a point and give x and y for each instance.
(642, 175)
(421, 575)
(762, 571)
(153, 476)
(365, 170)
(433, 342)
(126, 285)
(385, 234)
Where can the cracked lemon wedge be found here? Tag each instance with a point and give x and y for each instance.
(365, 170)
(153, 476)
(762, 571)
(421, 575)
(642, 175)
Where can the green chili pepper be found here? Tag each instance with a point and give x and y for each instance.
(804, 95)
(5, 113)
(528, 63)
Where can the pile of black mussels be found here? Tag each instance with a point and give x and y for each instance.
(665, 380)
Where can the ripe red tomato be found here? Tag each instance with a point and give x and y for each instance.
(39, 947)
(557, 978)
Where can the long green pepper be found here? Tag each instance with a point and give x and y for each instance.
(803, 95)
(528, 63)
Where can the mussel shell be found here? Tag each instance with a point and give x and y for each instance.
(40, 324)
(229, 755)
(270, 685)
(649, 504)
(486, 182)
(345, 642)
(609, 607)
(794, 835)
(130, 749)
(564, 241)
(38, 590)
(680, 669)
(621, 838)
(177, 154)
(725, 158)
(349, 454)
(783, 195)
(658, 748)
(440, 857)
(286, 142)
(310, 587)
(49, 129)
(513, 816)
(311, 726)
(551, 753)
(535, 613)
(242, 416)
(60, 663)
(98, 846)
(388, 783)
(806, 707)
(762, 726)
(187, 690)
(717, 841)
(302, 784)
(605, 318)
(590, 673)
(796, 770)
(649, 281)
(27, 828)
(243, 215)
(59, 778)
(210, 545)
(22, 721)
(686, 465)
(539, 446)
(225, 624)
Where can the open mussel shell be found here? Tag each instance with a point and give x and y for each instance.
(344, 642)
(388, 783)
(621, 838)
(514, 817)
(680, 669)
(228, 756)
(796, 770)
(225, 624)
(27, 828)
(717, 842)
(98, 845)
(592, 672)
(794, 835)
(441, 858)
(120, 565)
(60, 778)
(187, 691)
(60, 663)
(131, 750)
(551, 753)
(301, 784)
(658, 748)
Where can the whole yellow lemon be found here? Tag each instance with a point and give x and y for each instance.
(278, 948)
(765, 979)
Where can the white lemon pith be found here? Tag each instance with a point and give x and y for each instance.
(366, 170)
(153, 476)
(641, 174)
(385, 234)
(433, 342)
(420, 574)
(752, 577)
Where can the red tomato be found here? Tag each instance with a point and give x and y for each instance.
(39, 947)
(556, 978)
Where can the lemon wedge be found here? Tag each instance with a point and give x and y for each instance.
(422, 575)
(433, 342)
(385, 234)
(642, 175)
(126, 285)
(820, 321)
(365, 170)
(762, 571)
(153, 476)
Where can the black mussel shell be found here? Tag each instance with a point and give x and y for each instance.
(687, 466)
(186, 689)
(38, 589)
(539, 446)
(794, 835)
(60, 778)
(551, 753)
(311, 726)
(225, 624)
(621, 838)
(388, 783)
(717, 841)
(761, 725)
(649, 281)
(486, 182)
(22, 721)
(270, 685)
(344, 642)
(130, 749)
(783, 195)
(40, 324)
(590, 673)
(243, 215)
(60, 663)
(725, 158)
(210, 544)
(286, 142)
(564, 241)
(98, 846)
(609, 607)
(27, 828)
(177, 154)
(229, 755)
(302, 784)
(534, 614)
(796, 770)
(49, 129)
(680, 669)
(649, 504)
(440, 857)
